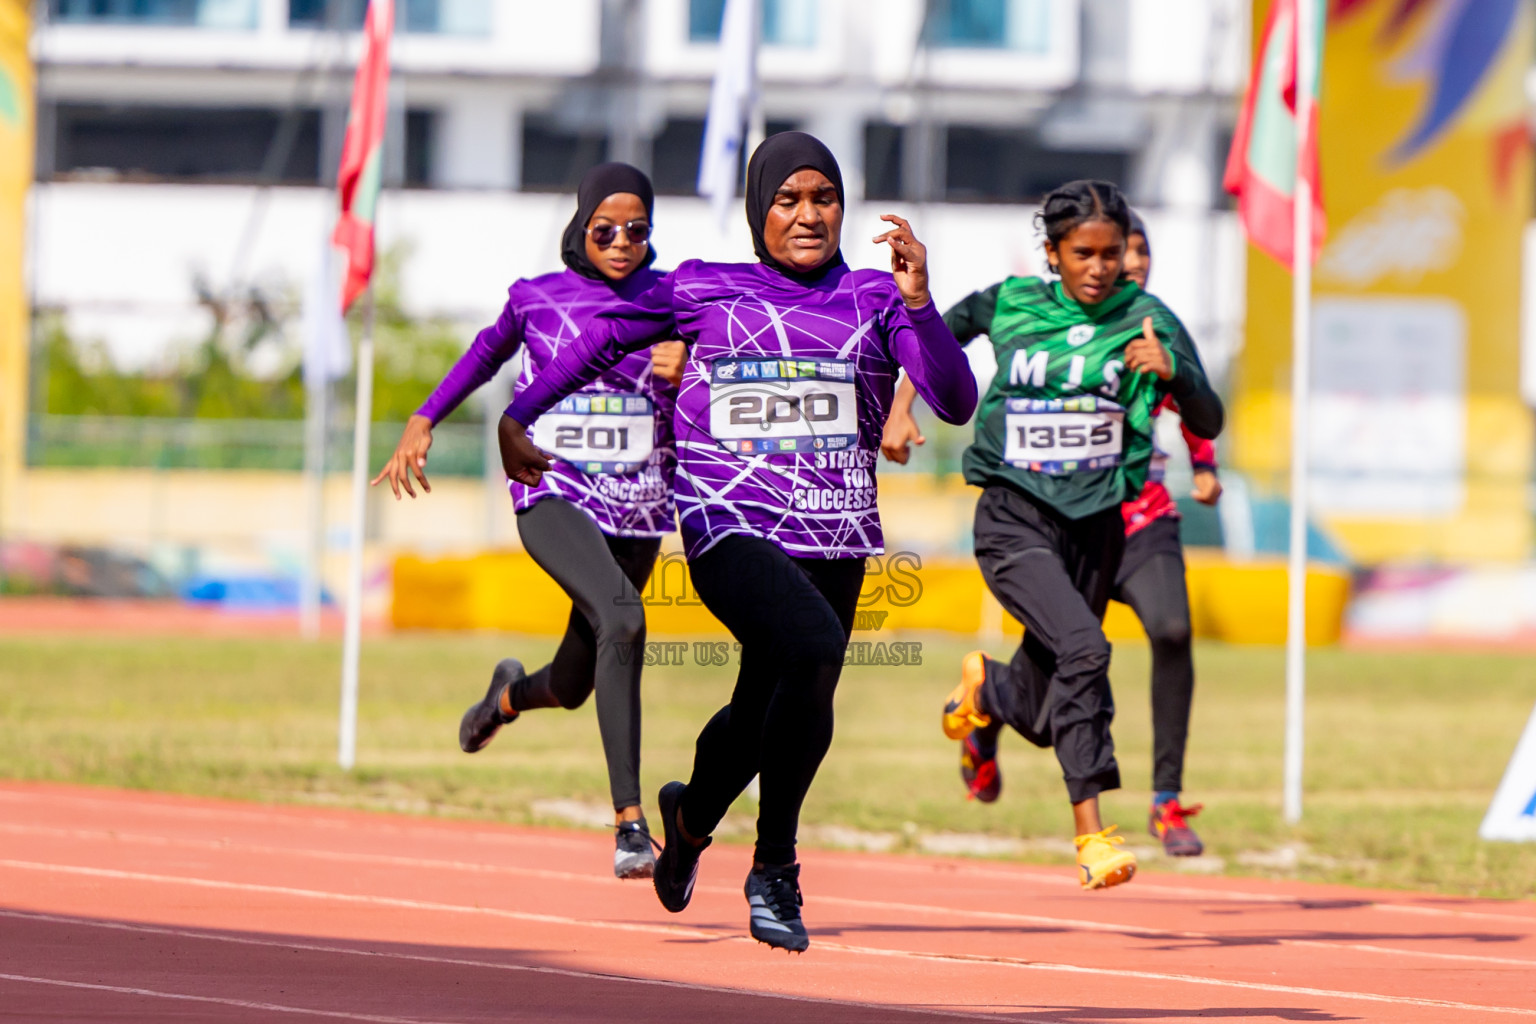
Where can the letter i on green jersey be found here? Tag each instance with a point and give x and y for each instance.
(1064, 420)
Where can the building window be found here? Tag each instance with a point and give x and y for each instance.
(785, 22)
(675, 156)
(883, 153)
(677, 149)
(1022, 25)
(1002, 165)
(420, 137)
(440, 17)
(333, 14)
(189, 143)
(555, 157)
(220, 14)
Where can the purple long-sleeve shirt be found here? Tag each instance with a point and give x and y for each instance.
(784, 398)
(546, 314)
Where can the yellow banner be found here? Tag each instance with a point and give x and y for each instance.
(16, 142)
(1421, 446)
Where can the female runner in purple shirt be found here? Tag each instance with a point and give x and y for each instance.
(595, 520)
(792, 364)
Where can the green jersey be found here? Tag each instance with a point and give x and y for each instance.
(1064, 420)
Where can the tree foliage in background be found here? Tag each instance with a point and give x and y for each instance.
(214, 379)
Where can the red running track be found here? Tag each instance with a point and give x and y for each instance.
(141, 907)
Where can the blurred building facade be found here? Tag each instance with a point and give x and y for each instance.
(157, 118)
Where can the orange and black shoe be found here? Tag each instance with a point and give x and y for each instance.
(483, 719)
(1168, 823)
(962, 711)
(978, 766)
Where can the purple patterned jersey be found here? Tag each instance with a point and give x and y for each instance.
(614, 437)
(784, 398)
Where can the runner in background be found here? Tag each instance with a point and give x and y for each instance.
(1063, 438)
(594, 522)
(1151, 581)
(791, 367)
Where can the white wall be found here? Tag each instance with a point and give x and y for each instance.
(120, 259)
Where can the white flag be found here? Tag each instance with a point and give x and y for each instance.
(731, 102)
(327, 349)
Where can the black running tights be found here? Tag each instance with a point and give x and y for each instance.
(1157, 593)
(603, 646)
(792, 618)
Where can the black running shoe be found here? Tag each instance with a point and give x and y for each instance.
(773, 894)
(678, 866)
(632, 853)
(482, 720)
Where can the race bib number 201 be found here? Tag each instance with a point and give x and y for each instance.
(1059, 436)
(609, 432)
(783, 405)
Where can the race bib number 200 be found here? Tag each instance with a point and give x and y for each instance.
(1059, 436)
(783, 405)
(604, 433)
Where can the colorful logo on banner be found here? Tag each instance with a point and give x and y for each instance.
(1453, 53)
(1420, 444)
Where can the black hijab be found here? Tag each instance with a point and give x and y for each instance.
(1139, 227)
(776, 159)
(598, 184)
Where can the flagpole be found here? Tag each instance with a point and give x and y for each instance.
(311, 586)
(1301, 388)
(346, 754)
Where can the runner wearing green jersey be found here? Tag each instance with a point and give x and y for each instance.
(1063, 437)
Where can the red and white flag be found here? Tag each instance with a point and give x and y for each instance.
(362, 154)
(1261, 169)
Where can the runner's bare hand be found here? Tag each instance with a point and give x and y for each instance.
(1207, 489)
(909, 262)
(410, 457)
(520, 457)
(1148, 355)
(901, 432)
(668, 359)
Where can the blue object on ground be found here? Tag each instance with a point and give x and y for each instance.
(247, 593)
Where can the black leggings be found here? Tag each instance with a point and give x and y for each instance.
(603, 646)
(792, 618)
(1053, 574)
(1152, 583)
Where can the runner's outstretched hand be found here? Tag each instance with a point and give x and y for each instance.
(1147, 355)
(901, 432)
(521, 459)
(909, 262)
(1207, 489)
(667, 360)
(410, 457)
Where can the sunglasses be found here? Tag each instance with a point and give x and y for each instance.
(606, 234)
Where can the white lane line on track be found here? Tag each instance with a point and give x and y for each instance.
(1011, 917)
(308, 814)
(672, 930)
(244, 1004)
(313, 815)
(315, 947)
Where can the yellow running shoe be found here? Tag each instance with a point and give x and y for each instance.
(1101, 862)
(962, 709)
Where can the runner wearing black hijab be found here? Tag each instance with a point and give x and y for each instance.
(792, 364)
(596, 519)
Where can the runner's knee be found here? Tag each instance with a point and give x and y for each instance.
(1168, 630)
(1085, 656)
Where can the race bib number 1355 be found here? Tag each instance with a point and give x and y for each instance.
(1060, 436)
